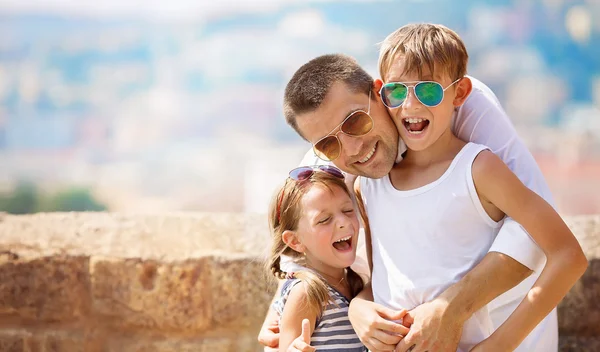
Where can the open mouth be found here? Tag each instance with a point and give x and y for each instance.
(415, 125)
(369, 156)
(343, 244)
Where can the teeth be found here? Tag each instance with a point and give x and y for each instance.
(415, 120)
(368, 156)
(415, 132)
(343, 239)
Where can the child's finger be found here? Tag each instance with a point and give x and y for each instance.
(306, 331)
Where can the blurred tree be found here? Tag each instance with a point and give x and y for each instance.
(74, 199)
(23, 200)
(26, 199)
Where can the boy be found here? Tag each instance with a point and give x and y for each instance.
(445, 198)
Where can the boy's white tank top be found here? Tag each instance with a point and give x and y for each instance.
(426, 239)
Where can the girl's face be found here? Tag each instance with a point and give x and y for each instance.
(328, 229)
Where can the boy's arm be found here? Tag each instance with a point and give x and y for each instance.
(565, 263)
(482, 120)
(437, 325)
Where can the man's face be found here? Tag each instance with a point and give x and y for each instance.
(371, 155)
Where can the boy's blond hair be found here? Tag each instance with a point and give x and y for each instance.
(432, 45)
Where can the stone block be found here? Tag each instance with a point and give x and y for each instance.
(227, 343)
(69, 341)
(44, 289)
(579, 311)
(579, 344)
(13, 341)
(151, 295)
(241, 293)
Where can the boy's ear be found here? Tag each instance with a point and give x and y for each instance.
(377, 83)
(463, 89)
(291, 239)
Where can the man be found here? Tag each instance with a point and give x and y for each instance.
(320, 97)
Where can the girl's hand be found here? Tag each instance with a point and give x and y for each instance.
(302, 342)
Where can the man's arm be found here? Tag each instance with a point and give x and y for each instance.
(437, 325)
(269, 332)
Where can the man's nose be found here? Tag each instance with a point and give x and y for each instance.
(351, 146)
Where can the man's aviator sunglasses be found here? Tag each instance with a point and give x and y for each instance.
(429, 93)
(358, 123)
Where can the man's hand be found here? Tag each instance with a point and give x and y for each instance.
(302, 342)
(269, 336)
(432, 328)
(374, 324)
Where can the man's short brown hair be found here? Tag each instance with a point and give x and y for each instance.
(424, 44)
(308, 87)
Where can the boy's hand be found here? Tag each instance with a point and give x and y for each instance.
(302, 342)
(431, 329)
(269, 336)
(374, 324)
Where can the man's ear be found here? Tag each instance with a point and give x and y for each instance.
(291, 239)
(463, 89)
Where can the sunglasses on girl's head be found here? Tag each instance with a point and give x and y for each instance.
(356, 124)
(429, 93)
(304, 173)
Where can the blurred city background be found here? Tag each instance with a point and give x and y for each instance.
(152, 106)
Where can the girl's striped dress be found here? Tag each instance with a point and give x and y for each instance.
(333, 330)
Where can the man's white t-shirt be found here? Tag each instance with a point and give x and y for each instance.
(481, 119)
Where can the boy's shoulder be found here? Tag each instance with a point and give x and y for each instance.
(486, 162)
(490, 173)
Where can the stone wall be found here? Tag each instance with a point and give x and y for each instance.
(104, 282)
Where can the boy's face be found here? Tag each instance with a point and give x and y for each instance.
(371, 155)
(419, 125)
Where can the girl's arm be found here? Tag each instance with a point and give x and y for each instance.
(296, 309)
(565, 263)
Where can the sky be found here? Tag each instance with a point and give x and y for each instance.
(151, 9)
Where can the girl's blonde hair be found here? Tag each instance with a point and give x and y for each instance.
(284, 214)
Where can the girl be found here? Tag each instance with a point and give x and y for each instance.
(313, 222)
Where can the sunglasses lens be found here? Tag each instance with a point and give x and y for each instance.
(332, 170)
(394, 94)
(327, 148)
(429, 93)
(301, 173)
(357, 124)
